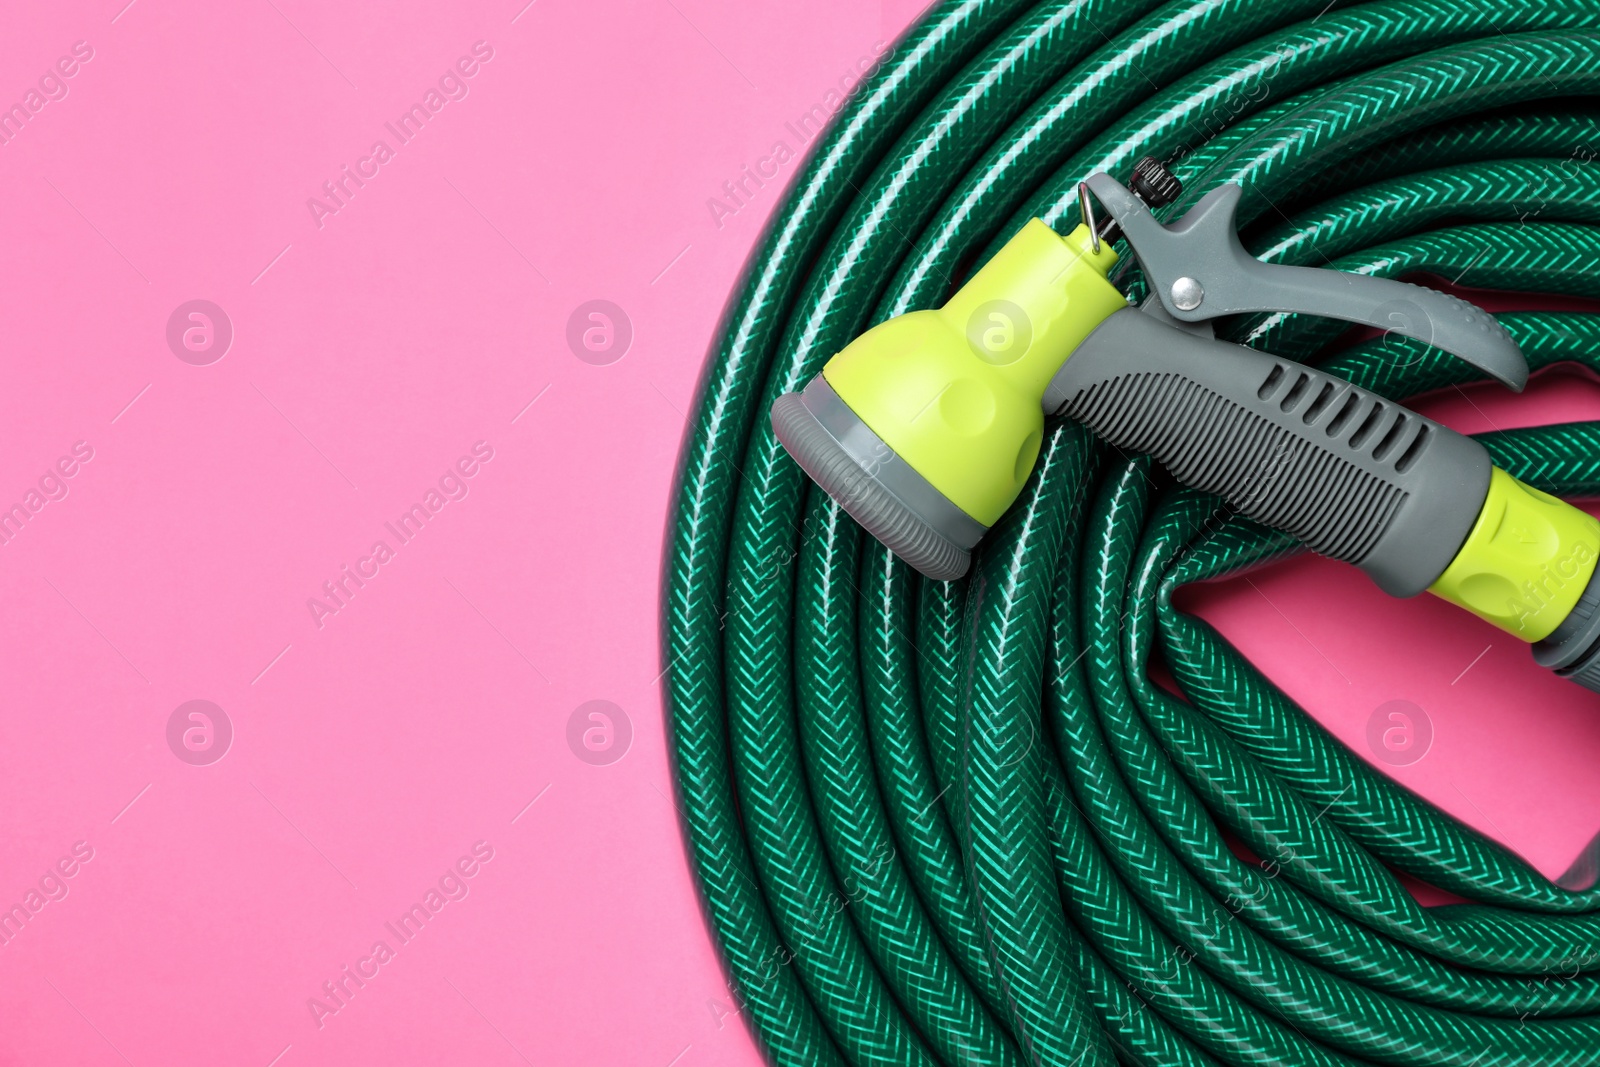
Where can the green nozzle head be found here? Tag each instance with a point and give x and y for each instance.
(925, 427)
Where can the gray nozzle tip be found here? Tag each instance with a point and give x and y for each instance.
(877, 488)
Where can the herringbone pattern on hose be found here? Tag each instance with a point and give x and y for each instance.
(912, 794)
(1542, 190)
(856, 829)
(1540, 132)
(955, 823)
(1213, 108)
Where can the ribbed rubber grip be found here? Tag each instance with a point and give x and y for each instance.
(1354, 476)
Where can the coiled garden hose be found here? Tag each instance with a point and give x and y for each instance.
(955, 823)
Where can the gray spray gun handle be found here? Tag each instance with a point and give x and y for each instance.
(1199, 270)
(1354, 476)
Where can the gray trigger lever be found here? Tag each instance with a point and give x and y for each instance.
(1199, 270)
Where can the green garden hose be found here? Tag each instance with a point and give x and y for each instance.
(956, 823)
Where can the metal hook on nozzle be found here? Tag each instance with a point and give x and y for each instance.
(1152, 183)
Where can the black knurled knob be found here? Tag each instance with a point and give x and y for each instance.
(1154, 183)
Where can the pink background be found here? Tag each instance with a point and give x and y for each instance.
(372, 348)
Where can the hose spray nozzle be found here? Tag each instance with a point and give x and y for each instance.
(925, 427)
